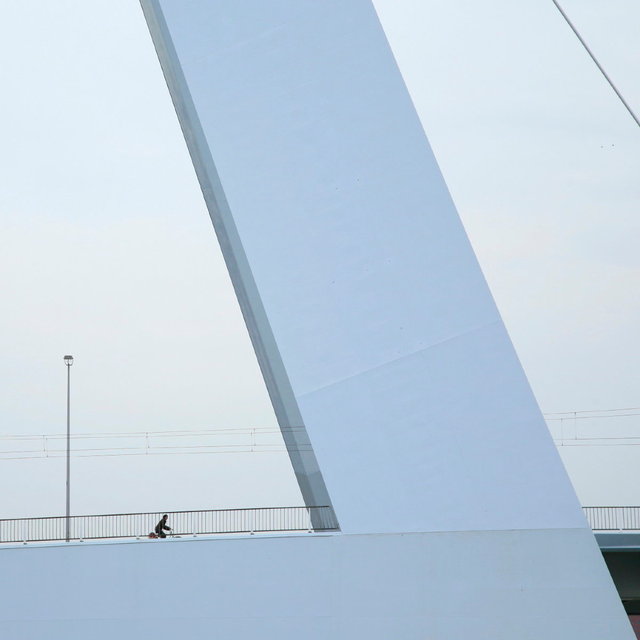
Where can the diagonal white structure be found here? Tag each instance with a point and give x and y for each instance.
(397, 389)
(371, 319)
(373, 325)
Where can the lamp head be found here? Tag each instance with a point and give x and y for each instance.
(68, 360)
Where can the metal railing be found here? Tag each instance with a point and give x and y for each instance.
(182, 523)
(613, 518)
(230, 521)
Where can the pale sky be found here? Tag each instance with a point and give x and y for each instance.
(107, 251)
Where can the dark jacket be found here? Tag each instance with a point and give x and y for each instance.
(162, 525)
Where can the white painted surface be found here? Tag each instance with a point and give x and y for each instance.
(522, 585)
(388, 341)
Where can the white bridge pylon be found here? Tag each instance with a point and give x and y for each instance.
(373, 325)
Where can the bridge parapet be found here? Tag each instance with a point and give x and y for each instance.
(613, 518)
(139, 525)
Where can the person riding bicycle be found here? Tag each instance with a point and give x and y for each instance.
(161, 527)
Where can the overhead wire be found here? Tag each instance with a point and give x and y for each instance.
(600, 416)
(173, 433)
(619, 415)
(571, 413)
(148, 443)
(149, 440)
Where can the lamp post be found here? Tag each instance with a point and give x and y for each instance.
(68, 360)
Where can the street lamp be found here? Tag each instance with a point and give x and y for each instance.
(68, 360)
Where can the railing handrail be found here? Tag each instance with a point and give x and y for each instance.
(153, 513)
(614, 506)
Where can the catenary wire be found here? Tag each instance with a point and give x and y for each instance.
(148, 448)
